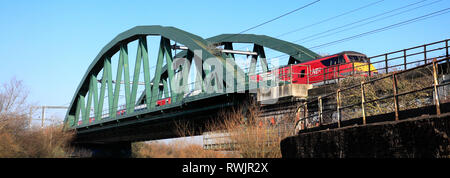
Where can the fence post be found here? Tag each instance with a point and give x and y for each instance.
(320, 110)
(425, 53)
(404, 58)
(362, 102)
(446, 55)
(43, 116)
(446, 48)
(368, 67)
(338, 106)
(436, 95)
(290, 77)
(308, 72)
(394, 81)
(353, 68)
(305, 114)
(386, 62)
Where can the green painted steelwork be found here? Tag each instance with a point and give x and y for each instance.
(164, 73)
(110, 89)
(155, 87)
(142, 55)
(126, 77)
(94, 90)
(299, 53)
(261, 54)
(166, 89)
(118, 79)
(103, 62)
(99, 107)
(169, 64)
(81, 108)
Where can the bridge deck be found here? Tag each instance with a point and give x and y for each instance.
(159, 123)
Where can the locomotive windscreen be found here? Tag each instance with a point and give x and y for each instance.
(357, 58)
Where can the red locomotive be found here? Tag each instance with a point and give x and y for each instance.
(330, 67)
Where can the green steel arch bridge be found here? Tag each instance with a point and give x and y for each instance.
(193, 79)
(98, 117)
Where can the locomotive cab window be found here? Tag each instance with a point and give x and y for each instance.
(341, 60)
(356, 58)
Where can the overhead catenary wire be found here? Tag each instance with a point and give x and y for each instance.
(362, 20)
(351, 25)
(295, 10)
(326, 20)
(399, 24)
(331, 18)
(276, 18)
(423, 17)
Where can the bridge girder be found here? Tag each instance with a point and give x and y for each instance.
(88, 87)
(296, 53)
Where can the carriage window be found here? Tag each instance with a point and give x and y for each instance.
(330, 62)
(354, 58)
(302, 73)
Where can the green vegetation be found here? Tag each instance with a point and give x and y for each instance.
(376, 91)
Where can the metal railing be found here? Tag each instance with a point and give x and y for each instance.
(403, 57)
(383, 64)
(315, 110)
(288, 75)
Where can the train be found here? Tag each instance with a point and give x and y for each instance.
(340, 65)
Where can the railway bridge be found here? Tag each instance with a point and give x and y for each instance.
(193, 79)
(190, 85)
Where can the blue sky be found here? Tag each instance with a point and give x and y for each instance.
(50, 44)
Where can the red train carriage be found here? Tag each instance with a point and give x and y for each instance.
(121, 112)
(330, 67)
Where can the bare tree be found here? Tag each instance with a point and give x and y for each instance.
(13, 96)
(14, 110)
(18, 141)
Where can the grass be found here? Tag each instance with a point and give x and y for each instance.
(252, 140)
(16, 141)
(175, 149)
